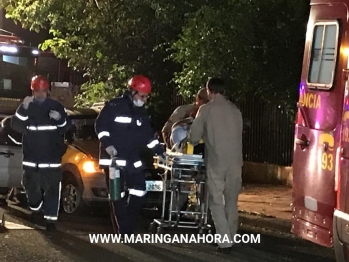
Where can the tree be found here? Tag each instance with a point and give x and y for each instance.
(256, 46)
(108, 40)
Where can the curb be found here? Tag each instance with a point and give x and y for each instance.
(258, 220)
(256, 173)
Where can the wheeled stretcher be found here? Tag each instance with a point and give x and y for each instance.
(182, 169)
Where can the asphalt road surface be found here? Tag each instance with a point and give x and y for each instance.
(71, 242)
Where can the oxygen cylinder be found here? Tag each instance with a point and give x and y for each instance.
(114, 181)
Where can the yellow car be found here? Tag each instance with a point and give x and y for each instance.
(83, 183)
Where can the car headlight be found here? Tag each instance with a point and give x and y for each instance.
(90, 166)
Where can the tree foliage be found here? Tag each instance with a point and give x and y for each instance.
(256, 46)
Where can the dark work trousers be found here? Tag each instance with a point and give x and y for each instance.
(43, 189)
(124, 212)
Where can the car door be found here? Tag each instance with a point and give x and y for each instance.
(10, 157)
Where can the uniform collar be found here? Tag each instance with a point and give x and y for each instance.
(127, 94)
(219, 98)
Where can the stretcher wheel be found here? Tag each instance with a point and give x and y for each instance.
(205, 231)
(153, 227)
(160, 230)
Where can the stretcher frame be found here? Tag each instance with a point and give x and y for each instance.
(179, 169)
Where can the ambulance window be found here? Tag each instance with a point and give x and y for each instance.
(323, 55)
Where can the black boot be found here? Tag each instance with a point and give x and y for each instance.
(37, 218)
(50, 226)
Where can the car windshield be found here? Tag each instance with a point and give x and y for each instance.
(83, 129)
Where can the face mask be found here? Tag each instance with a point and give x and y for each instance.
(138, 103)
(39, 100)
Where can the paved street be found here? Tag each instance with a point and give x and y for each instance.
(71, 243)
(267, 200)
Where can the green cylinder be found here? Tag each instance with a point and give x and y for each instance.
(114, 182)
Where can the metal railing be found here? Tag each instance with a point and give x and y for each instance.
(268, 132)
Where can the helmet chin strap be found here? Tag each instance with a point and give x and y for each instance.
(133, 95)
(132, 98)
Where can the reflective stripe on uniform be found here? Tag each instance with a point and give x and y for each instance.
(20, 117)
(49, 165)
(41, 128)
(36, 208)
(62, 125)
(153, 143)
(51, 217)
(137, 164)
(121, 162)
(107, 162)
(102, 134)
(123, 119)
(137, 192)
(31, 164)
(122, 194)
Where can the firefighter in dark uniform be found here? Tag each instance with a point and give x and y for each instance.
(42, 121)
(123, 127)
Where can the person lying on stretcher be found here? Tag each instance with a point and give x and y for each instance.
(179, 140)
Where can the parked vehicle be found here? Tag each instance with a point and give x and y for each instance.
(10, 157)
(83, 183)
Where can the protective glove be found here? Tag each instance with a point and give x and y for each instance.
(27, 101)
(111, 151)
(55, 115)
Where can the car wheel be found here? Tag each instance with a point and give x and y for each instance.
(71, 199)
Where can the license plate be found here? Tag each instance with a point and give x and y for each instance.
(154, 185)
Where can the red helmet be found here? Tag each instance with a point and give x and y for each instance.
(39, 83)
(140, 83)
